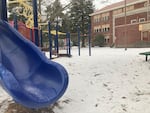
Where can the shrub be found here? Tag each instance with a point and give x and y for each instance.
(99, 40)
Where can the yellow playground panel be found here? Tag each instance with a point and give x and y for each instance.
(53, 32)
(26, 11)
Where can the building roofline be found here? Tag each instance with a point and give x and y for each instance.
(116, 6)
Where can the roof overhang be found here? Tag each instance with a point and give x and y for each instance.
(120, 6)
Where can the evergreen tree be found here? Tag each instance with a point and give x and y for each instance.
(66, 23)
(54, 11)
(79, 16)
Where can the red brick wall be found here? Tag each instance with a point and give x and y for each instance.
(121, 21)
(133, 35)
(139, 5)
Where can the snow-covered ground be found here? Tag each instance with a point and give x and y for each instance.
(110, 81)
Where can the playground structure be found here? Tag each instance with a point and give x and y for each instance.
(26, 10)
(89, 40)
(29, 34)
(25, 73)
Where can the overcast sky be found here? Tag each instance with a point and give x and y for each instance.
(102, 3)
(98, 3)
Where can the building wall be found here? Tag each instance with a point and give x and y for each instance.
(133, 35)
(102, 24)
(136, 15)
(139, 5)
(130, 18)
(130, 39)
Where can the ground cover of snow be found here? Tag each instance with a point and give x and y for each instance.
(112, 80)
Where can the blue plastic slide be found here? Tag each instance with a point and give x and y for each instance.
(26, 74)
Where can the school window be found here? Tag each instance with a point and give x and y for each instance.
(133, 21)
(105, 40)
(94, 20)
(141, 19)
(145, 34)
(99, 30)
(108, 28)
(103, 29)
(108, 40)
(107, 18)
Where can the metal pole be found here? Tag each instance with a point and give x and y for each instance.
(50, 40)
(125, 29)
(35, 16)
(69, 44)
(78, 29)
(41, 38)
(89, 28)
(57, 44)
(15, 22)
(31, 35)
(67, 38)
(3, 10)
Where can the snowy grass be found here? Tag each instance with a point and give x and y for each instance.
(110, 81)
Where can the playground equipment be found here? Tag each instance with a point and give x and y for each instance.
(28, 33)
(26, 10)
(25, 73)
(68, 50)
(89, 39)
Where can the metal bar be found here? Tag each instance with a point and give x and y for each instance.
(50, 40)
(78, 29)
(69, 44)
(41, 38)
(35, 16)
(15, 22)
(31, 35)
(125, 22)
(67, 38)
(146, 57)
(3, 10)
(57, 44)
(89, 37)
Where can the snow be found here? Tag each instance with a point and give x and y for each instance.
(112, 80)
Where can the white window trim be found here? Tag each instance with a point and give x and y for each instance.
(141, 19)
(133, 21)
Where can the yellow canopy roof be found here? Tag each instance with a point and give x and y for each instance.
(53, 32)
